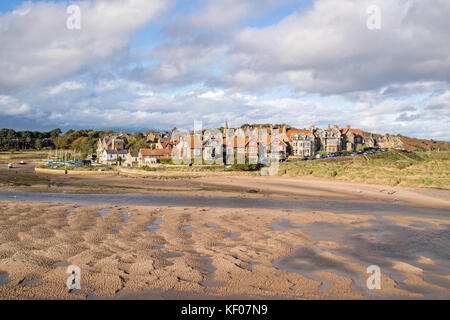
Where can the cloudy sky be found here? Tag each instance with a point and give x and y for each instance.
(157, 64)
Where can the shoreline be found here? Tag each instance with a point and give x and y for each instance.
(222, 186)
(337, 206)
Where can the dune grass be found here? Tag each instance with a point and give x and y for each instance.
(392, 168)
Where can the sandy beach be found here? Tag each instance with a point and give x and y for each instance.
(238, 237)
(204, 252)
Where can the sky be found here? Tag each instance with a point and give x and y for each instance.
(136, 65)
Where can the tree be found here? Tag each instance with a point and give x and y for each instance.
(81, 144)
(55, 133)
(136, 142)
(38, 144)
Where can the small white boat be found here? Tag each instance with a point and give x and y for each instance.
(10, 165)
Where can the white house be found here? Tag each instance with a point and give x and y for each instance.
(110, 156)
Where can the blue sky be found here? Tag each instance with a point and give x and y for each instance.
(156, 64)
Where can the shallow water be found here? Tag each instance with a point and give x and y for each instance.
(208, 266)
(337, 206)
(103, 212)
(152, 228)
(61, 264)
(173, 255)
(307, 260)
(233, 235)
(126, 217)
(155, 226)
(32, 282)
(209, 283)
(284, 224)
(188, 228)
(213, 226)
(220, 245)
(386, 242)
(4, 279)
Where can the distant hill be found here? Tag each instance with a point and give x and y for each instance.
(413, 144)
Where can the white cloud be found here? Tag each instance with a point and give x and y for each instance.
(325, 49)
(11, 107)
(213, 95)
(207, 66)
(440, 102)
(68, 85)
(129, 108)
(329, 49)
(38, 48)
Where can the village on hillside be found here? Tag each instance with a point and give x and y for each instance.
(257, 141)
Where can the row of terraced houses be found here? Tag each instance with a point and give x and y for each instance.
(254, 142)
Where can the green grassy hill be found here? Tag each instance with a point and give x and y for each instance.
(393, 168)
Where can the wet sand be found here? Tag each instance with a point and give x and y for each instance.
(162, 252)
(233, 237)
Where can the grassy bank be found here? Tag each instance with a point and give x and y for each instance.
(25, 156)
(23, 180)
(392, 168)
